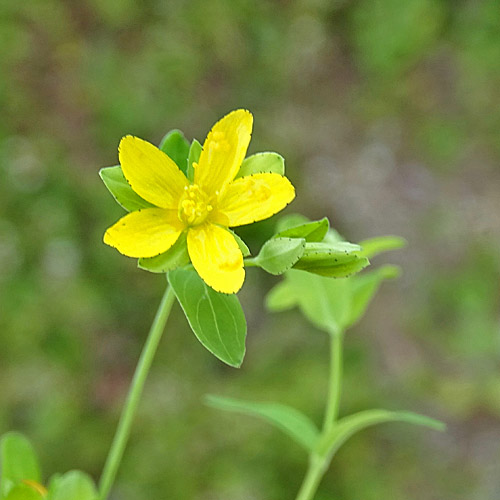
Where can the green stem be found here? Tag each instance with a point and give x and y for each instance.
(124, 426)
(335, 381)
(319, 464)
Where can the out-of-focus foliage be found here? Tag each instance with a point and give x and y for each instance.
(388, 115)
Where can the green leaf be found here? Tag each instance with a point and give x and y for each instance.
(289, 420)
(289, 221)
(19, 461)
(118, 186)
(380, 244)
(348, 426)
(311, 231)
(325, 302)
(23, 492)
(281, 297)
(271, 163)
(174, 257)
(334, 260)
(193, 157)
(279, 254)
(364, 287)
(243, 246)
(175, 145)
(216, 319)
(73, 485)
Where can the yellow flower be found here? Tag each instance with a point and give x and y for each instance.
(205, 208)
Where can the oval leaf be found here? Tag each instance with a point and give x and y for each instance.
(281, 297)
(216, 319)
(262, 163)
(174, 257)
(175, 145)
(291, 421)
(348, 426)
(73, 485)
(19, 461)
(313, 231)
(280, 254)
(118, 186)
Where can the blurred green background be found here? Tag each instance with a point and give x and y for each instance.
(388, 114)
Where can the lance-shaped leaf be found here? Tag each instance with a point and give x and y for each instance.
(19, 462)
(175, 145)
(73, 485)
(118, 186)
(313, 231)
(380, 244)
(243, 246)
(262, 163)
(291, 421)
(193, 157)
(348, 426)
(176, 256)
(278, 255)
(216, 319)
(334, 260)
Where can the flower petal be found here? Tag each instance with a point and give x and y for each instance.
(216, 257)
(224, 151)
(145, 233)
(253, 198)
(151, 173)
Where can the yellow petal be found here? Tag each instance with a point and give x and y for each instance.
(216, 257)
(145, 233)
(224, 151)
(151, 173)
(253, 198)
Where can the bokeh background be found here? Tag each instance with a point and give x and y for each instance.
(388, 114)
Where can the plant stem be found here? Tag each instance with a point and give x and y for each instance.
(317, 463)
(335, 381)
(141, 372)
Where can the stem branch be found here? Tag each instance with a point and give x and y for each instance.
(125, 424)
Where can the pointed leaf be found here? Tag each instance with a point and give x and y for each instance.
(174, 257)
(380, 244)
(313, 231)
(271, 163)
(118, 186)
(348, 426)
(243, 246)
(281, 297)
(216, 319)
(193, 157)
(279, 254)
(73, 485)
(364, 287)
(289, 420)
(175, 145)
(19, 461)
(289, 221)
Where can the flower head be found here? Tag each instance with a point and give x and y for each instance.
(205, 208)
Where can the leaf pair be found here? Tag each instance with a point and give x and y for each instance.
(21, 477)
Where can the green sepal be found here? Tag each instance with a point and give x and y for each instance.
(348, 426)
(118, 186)
(19, 462)
(243, 246)
(289, 420)
(381, 244)
(278, 255)
(193, 157)
(73, 485)
(333, 260)
(314, 231)
(216, 319)
(176, 146)
(176, 256)
(262, 163)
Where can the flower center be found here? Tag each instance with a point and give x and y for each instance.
(194, 206)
